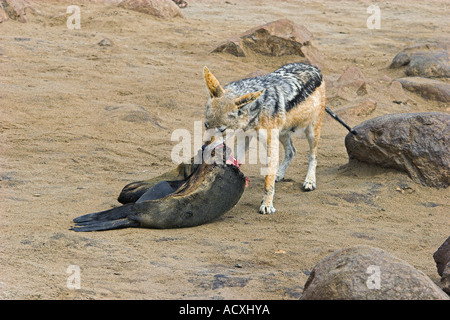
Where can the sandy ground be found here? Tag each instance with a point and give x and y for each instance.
(78, 121)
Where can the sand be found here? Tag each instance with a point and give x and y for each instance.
(79, 121)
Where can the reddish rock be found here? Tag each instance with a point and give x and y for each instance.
(350, 84)
(277, 38)
(15, 10)
(3, 15)
(158, 8)
(396, 92)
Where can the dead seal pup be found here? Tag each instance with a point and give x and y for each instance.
(208, 192)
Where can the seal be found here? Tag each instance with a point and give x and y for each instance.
(206, 194)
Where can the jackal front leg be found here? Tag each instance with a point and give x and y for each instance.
(269, 181)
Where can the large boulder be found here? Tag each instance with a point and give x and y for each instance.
(416, 143)
(277, 38)
(367, 273)
(426, 60)
(158, 8)
(442, 259)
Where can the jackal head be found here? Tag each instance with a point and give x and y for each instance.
(226, 110)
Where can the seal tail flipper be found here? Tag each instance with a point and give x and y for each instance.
(115, 218)
(107, 215)
(104, 225)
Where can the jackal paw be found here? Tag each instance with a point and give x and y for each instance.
(267, 209)
(279, 177)
(309, 185)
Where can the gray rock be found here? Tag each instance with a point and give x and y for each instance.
(367, 273)
(427, 88)
(427, 60)
(105, 42)
(416, 143)
(442, 259)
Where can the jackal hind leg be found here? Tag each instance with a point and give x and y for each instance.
(312, 133)
(289, 153)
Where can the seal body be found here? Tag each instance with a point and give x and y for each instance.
(209, 192)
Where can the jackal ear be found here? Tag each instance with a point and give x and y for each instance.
(213, 85)
(246, 99)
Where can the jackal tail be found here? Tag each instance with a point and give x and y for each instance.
(338, 119)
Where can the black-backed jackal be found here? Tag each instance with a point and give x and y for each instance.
(288, 99)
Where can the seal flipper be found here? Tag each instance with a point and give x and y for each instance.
(107, 215)
(115, 218)
(160, 190)
(104, 225)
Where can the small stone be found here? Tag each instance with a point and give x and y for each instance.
(106, 42)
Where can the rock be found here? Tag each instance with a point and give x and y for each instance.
(365, 108)
(427, 60)
(416, 143)
(367, 273)
(442, 256)
(180, 3)
(351, 84)
(277, 38)
(386, 79)
(15, 10)
(313, 56)
(232, 46)
(427, 88)
(106, 42)
(442, 259)
(353, 78)
(158, 8)
(397, 93)
(3, 15)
